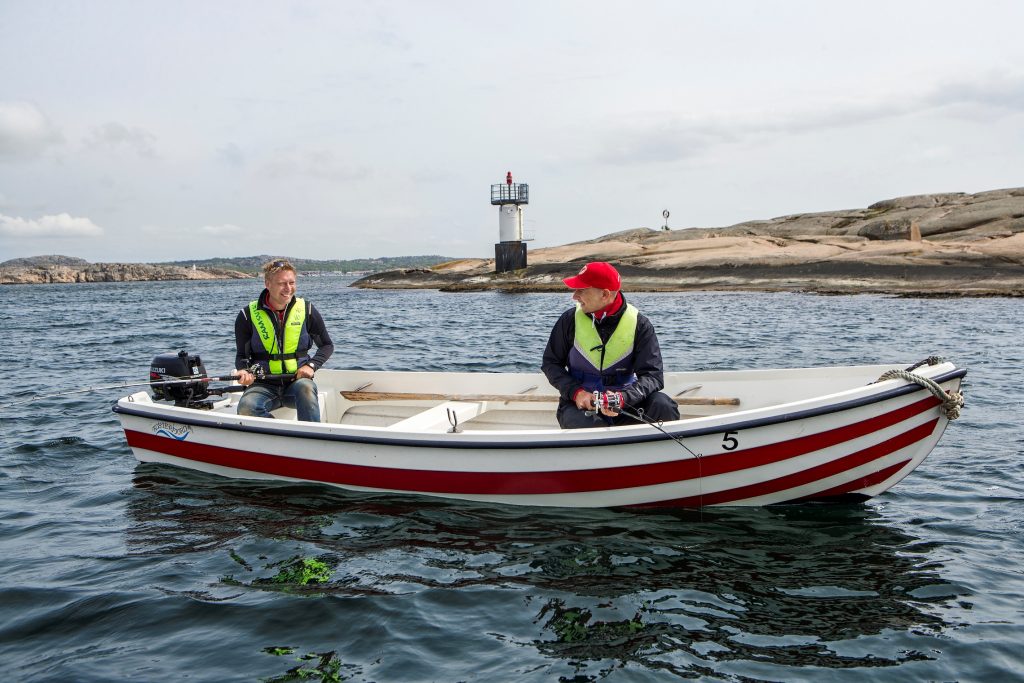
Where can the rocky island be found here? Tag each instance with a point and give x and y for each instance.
(952, 244)
(56, 269)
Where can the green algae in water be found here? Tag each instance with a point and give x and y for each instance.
(316, 666)
(571, 626)
(296, 572)
(301, 571)
(240, 560)
(574, 625)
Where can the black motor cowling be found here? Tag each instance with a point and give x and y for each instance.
(169, 367)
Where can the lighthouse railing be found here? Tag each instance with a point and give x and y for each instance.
(510, 194)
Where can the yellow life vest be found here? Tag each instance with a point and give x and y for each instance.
(603, 355)
(282, 360)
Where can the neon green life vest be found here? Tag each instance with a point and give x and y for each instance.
(282, 361)
(603, 355)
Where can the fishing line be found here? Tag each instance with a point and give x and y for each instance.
(639, 415)
(123, 385)
(9, 449)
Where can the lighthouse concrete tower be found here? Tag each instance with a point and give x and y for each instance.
(510, 252)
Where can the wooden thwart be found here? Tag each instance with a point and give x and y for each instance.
(518, 398)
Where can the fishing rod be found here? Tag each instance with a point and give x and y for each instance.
(639, 416)
(122, 385)
(156, 383)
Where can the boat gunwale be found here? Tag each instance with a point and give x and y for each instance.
(599, 439)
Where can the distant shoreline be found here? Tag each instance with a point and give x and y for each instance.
(108, 272)
(948, 245)
(57, 269)
(940, 245)
(845, 279)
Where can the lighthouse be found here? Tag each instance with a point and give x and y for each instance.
(510, 252)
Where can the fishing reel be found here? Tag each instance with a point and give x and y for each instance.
(611, 401)
(180, 379)
(257, 371)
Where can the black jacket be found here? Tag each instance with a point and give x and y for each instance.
(646, 358)
(314, 326)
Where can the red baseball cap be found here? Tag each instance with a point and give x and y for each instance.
(597, 274)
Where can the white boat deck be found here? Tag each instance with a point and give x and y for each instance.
(469, 398)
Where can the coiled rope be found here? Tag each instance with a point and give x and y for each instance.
(952, 401)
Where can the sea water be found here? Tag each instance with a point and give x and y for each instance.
(111, 570)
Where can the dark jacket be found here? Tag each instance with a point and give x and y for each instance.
(646, 358)
(314, 327)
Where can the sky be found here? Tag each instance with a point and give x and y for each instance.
(147, 131)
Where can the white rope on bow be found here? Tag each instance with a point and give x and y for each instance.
(952, 401)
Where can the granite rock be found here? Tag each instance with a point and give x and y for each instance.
(69, 270)
(970, 245)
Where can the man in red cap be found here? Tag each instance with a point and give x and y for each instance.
(605, 345)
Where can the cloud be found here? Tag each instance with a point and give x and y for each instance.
(60, 226)
(313, 163)
(115, 136)
(232, 155)
(987, 96)
(225, 230)
(664, 141)
(25, 132)
(670, 137)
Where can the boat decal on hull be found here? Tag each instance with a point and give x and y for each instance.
(178, 432)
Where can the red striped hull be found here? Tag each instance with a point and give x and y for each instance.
(853, 452)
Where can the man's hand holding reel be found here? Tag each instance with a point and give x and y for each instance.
(249, 375)
(608, 403)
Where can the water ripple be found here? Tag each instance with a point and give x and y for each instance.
(120, 571)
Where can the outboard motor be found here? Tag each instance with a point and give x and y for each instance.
(180, 366)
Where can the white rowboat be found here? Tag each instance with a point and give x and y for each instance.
(749, 437)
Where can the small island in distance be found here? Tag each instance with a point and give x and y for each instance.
(950, 244)
(67, 269)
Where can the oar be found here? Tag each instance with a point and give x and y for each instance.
(514, 398)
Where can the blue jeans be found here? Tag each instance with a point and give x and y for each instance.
(259, 399)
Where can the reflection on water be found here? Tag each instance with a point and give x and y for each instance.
(187, 576)
(683, 591)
